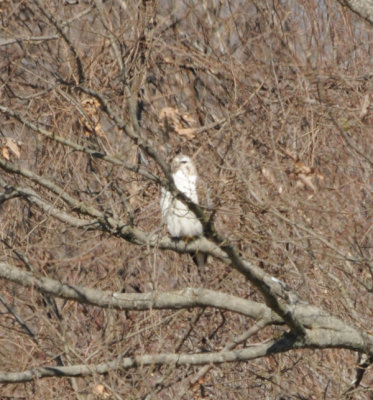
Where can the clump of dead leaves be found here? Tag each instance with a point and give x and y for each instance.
(172, 120)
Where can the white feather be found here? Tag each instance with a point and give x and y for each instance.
(179, 219)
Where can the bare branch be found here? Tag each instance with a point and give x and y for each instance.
(276, 112)
(6, 42)
(271, 290)
(277, 296)
(75, 146)
(48, 208)
(363, 8)
(128, 129)
(333, 118)
(285, 344)
(258, 326)
(322, 329)
(67, 40)
(180, 299)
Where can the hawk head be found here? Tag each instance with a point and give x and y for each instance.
(183, 164)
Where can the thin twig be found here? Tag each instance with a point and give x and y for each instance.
(59, 28)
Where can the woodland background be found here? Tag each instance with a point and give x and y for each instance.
(273, 100)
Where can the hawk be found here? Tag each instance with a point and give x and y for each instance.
(182, 222)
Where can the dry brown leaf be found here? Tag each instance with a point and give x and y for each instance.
(87, 132)
(188, 132)
(201, 381)
(271, 179)
(364, 107)
(268, 175)
(5, 153)
(301, 168)
(91, 107)
(99, 390)
(13, 146)
(169, 116)
(307, 180)
(174, 120)
(10, 146)
(305, 175)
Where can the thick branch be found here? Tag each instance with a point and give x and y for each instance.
(272, 291)
(49, 209)
(229, 346)
(363, 8)
(180, 299)
(279, 298)
(284, 344)
(321, 329)
(100, 220)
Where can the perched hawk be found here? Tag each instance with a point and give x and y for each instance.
(182, 222)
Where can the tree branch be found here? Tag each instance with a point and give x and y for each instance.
(272, 291)
(363, 8)
(179, 299)
(256, 328)
(49, 209)
(67, 40)
(77, 147)
(278, 297)
(322, 330)
(286, 343)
